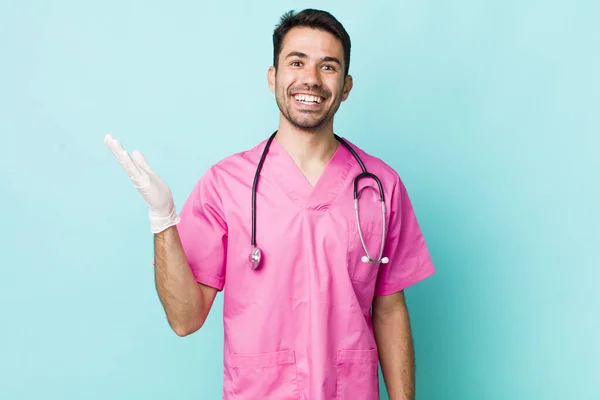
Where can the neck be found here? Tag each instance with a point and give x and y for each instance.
(307, 147)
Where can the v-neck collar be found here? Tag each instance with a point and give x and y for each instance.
(296, 185)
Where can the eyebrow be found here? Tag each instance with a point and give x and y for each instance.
(325, 59)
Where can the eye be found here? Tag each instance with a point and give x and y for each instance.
(329, 67)
(295, 63)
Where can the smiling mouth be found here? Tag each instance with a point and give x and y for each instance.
(308, 99)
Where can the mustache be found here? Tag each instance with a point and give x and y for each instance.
(315, 90)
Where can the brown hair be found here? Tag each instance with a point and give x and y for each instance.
(311, 18)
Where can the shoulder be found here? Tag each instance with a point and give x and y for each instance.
(396, 193)
(388, 175)
(233, 167)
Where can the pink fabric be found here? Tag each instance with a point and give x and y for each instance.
(299, 327)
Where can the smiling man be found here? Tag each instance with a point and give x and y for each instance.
(313, 281)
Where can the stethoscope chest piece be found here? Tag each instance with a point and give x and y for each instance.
(254, 258)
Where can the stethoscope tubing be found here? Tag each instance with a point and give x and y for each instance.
(255, 255)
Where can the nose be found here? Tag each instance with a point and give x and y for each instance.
(312, 77)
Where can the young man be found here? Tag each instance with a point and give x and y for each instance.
(311, 306)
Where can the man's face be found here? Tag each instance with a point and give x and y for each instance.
(309, 83)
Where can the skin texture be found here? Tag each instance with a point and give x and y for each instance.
(311, 62)
(185, 301)
(394, 340)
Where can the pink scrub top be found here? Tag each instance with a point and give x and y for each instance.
(299, 327)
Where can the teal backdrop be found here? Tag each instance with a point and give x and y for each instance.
(488, 110)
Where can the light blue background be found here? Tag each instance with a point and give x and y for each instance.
(489, 111)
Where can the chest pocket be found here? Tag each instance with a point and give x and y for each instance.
(372, 232)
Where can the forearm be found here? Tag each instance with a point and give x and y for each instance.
(178, 291)
(396, 352)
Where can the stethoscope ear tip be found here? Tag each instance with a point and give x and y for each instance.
(366, 259)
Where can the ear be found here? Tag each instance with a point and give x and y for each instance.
(271, 78)
(348, 83)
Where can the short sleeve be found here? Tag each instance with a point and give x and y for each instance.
(409, 258)
(203, 232)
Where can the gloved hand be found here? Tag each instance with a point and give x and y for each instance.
(153, 189)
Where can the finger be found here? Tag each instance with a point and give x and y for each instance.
(114, 146)
(141, 162)
(123, 157)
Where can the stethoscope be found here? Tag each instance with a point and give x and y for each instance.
(255, 255)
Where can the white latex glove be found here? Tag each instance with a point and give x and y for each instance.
(153, 189)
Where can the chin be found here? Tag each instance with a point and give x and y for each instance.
(309, 125)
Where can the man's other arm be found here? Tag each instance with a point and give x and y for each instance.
(394, 340)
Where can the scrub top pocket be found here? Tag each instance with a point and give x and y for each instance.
(357, 375)
(265, 376)
(372, 234)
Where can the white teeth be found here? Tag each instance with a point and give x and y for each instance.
(307, 99)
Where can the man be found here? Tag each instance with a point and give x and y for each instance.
(314, 317)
